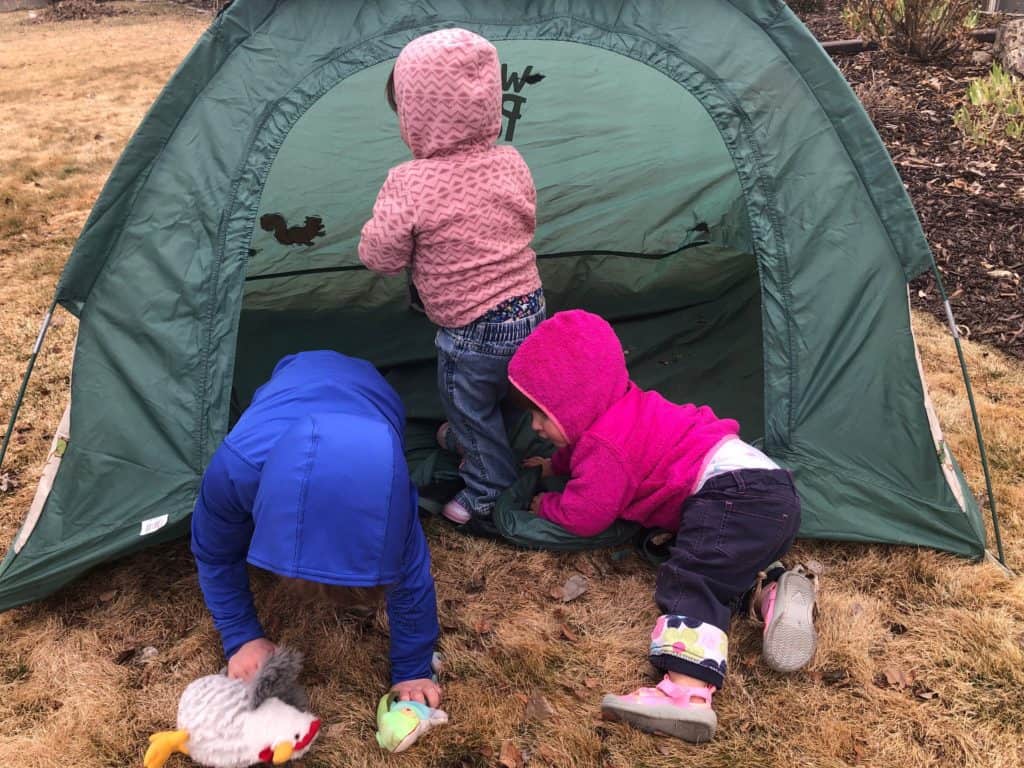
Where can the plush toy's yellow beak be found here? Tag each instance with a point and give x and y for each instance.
(283, 752)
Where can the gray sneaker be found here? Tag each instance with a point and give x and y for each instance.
(787, 607)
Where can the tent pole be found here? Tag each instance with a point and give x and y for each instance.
(974, 412)
(24, 382)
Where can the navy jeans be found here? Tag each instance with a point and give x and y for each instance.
(735, 526)
(472, 377)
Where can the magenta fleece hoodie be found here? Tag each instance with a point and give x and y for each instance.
(463, 212)
(632, 454)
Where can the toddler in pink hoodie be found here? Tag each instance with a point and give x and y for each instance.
(634, 455)
(461, 216)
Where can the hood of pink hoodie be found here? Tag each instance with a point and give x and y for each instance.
(448, 91)
(573, 368)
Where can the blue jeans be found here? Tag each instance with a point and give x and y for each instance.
(472, 377)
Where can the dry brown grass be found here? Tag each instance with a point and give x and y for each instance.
(72, 94)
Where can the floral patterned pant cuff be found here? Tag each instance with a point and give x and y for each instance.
(691, 647)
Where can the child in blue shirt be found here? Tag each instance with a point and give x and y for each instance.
(312, 484)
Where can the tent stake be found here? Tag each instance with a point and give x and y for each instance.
(974, 412)
(24, 382)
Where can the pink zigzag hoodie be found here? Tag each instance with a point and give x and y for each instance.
(632, 454)
(463, 212)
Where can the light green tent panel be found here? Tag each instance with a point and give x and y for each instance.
(721, 126)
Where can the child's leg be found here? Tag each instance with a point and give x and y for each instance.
(473, 381)
(737, 525)
(733, 528)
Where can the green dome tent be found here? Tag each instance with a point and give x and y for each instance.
(706, 180)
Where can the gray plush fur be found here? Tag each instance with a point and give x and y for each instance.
(279, 677)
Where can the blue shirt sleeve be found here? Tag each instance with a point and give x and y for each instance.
(221, 530)
(412, 612)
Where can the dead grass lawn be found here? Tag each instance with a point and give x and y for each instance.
(72, 692)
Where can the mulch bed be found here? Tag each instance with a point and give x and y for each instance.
(970, 199)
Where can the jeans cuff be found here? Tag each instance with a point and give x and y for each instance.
(703, 645)
(476, 510)
(684, 667)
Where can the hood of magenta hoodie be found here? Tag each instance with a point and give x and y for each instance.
(632, 454)
(448, 91)
(573, 368)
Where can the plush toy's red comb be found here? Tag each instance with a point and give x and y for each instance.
(304, 742)
(267, 755)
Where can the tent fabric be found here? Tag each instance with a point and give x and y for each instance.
(787, 309)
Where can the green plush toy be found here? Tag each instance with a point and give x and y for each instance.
(401, 723)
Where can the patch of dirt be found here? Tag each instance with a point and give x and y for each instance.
(970, 199)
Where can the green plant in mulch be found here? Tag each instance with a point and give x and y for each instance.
(922, 29)
(994, 109)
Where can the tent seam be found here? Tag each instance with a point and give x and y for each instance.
(846, 150)
(199, 433)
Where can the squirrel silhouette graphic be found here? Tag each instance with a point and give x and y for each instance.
(276, 223)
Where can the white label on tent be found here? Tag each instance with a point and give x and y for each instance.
(152, 525)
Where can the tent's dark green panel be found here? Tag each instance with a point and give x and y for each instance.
(658, 124)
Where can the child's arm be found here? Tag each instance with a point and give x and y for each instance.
(387, 242)
(412, 613)
(559, 465)
(221, 530)
(600, 488)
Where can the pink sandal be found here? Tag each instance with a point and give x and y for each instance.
(667, 708)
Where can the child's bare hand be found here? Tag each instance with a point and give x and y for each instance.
(539, 461)
(249, 658)
(422, 690)
(535, 504)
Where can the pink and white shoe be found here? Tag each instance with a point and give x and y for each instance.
(457, 513)
(787, 609)
(667, 708)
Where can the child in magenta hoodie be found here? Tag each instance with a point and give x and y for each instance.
(461, 216)
(634, 455)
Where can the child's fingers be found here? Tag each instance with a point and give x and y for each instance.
(416, 695)
(434, 696)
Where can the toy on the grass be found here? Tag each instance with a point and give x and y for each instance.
(401, 723)
(226, 723)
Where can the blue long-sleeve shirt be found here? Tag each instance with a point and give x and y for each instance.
(312, 483)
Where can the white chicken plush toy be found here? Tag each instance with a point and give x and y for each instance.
(226, 723)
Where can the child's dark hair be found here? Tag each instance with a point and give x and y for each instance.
(519, 400)
(389, 91)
